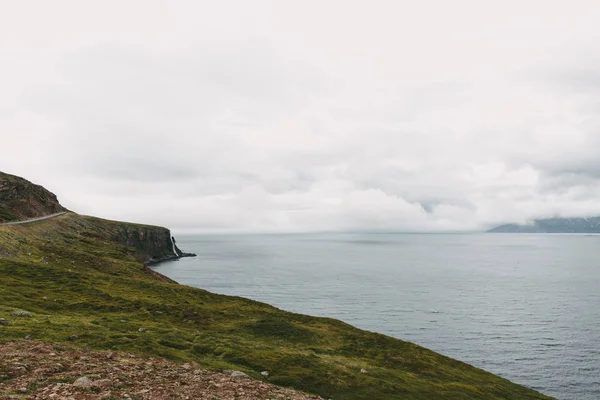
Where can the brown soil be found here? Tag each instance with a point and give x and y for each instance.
(34, 370)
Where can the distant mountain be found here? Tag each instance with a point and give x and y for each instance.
(553, 225)
(21, 199)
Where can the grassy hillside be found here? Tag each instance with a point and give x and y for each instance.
(82, 288)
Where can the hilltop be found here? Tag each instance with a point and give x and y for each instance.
(21, 199)
(553, 225)
(82, 282)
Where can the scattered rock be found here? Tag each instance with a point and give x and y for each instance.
(112, 375)
(239, 374)
(142, 330)
(4, 322)
(83, 382)
(73, 337)
(21, 313)
(363, 371)
(58, 367)
(102, 383)
(265, 373)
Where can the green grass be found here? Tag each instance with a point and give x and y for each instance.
(97, 290)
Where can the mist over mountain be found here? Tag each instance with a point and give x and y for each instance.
(553, 225)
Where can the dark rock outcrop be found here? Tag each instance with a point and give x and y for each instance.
(153, 244)
(21, 200)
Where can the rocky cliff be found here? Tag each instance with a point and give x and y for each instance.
(153, 244)
(21, 199)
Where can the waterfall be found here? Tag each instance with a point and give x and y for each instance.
(174, 249)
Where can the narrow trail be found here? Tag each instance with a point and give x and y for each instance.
(28, 221)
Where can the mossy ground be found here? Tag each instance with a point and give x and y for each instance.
(73, 281)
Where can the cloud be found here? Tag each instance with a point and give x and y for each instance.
(275, 116)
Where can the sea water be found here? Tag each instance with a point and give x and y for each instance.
(525, 307)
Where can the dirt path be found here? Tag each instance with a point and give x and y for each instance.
(28, 221)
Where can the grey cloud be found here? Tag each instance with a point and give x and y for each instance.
(264, 117)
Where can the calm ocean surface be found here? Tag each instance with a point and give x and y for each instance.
(525, 307)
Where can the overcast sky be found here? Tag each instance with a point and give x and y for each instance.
(305, 115)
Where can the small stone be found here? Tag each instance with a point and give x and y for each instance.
(239, 374)
(123, 320)
(110, 355)
(4, 322)
(186, 366)
(21, 313)
(44, 298)
(363, 371)
(142, 330)
(28, 337)
(73, 337)
(102, 383)
(265, 373)
(83, 382)
(56, 367)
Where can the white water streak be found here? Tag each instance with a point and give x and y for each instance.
(173, 243)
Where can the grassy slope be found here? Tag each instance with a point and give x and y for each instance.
(93, 285)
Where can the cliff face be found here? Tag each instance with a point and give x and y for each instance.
(153, 244)
(150, 244)
(21, 199)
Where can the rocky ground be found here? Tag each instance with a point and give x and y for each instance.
(34, 370)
